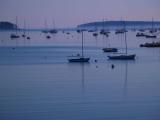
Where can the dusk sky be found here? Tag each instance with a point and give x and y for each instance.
(69, 13)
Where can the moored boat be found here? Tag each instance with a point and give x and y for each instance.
(79, 58)
(124, 56)
(12, 36)
(110, 49)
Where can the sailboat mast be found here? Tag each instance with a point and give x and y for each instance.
(103, 23)
(152, 25)
(125, 37)
(24, 29)
(53, 24)
(16, 24)
(45, 25)
(82, 44)
(28, 28)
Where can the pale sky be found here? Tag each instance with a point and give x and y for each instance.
(70, 13)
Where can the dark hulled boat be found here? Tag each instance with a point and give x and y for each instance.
(14, 36)
(125, 56)
(140, 35)
(79, 58)
(110, 50)
(151, 36)
(53, 31)
(95, 34)
(122, 57)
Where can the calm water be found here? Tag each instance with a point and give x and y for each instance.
(38, 83)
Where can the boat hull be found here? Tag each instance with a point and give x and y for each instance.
(14, 36)
(80, 60)
(122, 57)
(151, 36)
(140, 35)
(110, 50)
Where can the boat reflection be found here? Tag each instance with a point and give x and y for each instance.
(83, 79)
(80, 74)
(125, 87)
(84, 67)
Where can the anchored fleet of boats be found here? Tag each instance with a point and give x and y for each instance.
(113, 51)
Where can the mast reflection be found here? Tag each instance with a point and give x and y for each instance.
(125, 88)
(82, 76)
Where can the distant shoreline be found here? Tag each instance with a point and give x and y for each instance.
(112, 25)
(115, 24)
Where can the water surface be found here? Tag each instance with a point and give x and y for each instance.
(37, 82)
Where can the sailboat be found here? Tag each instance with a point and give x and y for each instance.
(54, 30)
(79, 58)
(95, 34)
(152, 31)
(24, 30)
(108, 49)
(28, 37)
(125, 56)
(45, 28)
(13, 36)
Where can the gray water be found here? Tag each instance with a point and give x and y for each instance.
(38, 83)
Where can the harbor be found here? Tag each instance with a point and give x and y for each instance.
(79, 60)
